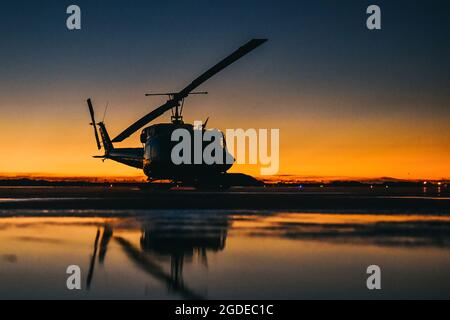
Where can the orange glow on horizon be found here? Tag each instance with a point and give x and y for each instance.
(311, 144)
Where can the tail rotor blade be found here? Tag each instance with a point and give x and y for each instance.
(91, 111)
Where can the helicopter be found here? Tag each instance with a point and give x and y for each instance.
(154, 158)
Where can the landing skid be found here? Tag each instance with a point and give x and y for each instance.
(217, 183)
(157, 186)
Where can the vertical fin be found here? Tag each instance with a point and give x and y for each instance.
(107, 144)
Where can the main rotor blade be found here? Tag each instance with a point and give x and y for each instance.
(91, 111)
(146, 119)
(236, 55)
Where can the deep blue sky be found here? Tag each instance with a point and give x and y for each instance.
(314, 45)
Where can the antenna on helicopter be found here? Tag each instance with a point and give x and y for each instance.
(104, 113)
(206, 123)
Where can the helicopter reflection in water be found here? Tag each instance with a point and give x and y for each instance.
(221, 254)
(178, 240)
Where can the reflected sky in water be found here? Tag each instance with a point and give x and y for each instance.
(223, 254)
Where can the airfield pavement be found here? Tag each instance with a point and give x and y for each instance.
(310, 199)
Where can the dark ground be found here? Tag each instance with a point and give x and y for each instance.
(433, 199)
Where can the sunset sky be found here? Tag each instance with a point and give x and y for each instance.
(349, 102)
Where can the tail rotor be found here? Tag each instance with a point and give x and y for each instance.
(94, 124)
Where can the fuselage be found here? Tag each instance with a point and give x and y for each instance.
(158, 162)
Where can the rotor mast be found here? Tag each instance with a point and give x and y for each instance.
(177, 111)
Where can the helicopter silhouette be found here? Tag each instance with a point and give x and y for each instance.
(155, 156)
(178, 239)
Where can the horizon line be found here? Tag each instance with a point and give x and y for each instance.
(286, 178)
